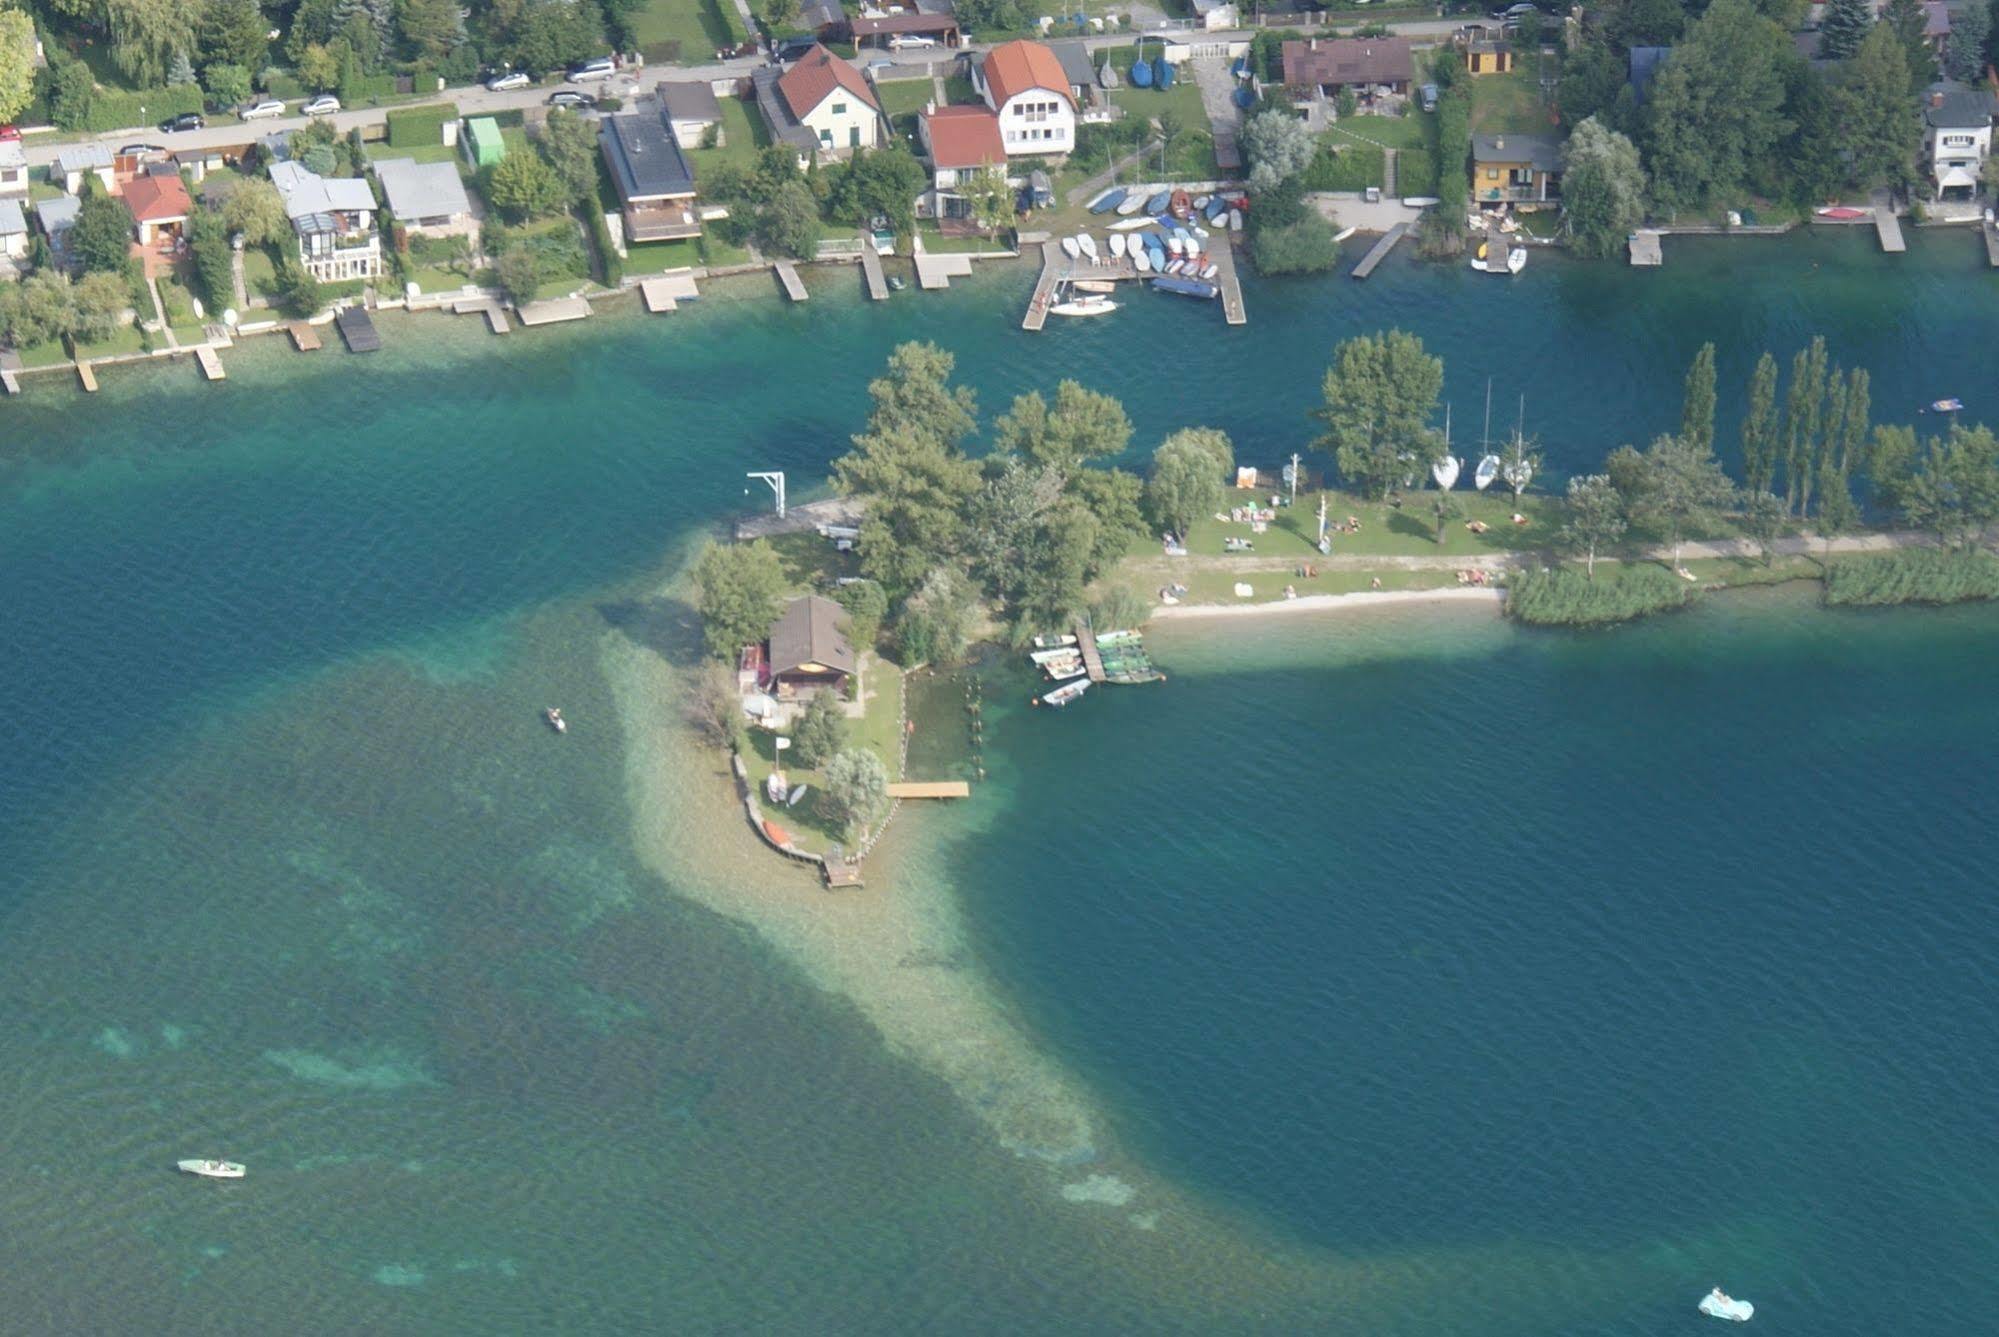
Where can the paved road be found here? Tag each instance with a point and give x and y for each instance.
(475, 100)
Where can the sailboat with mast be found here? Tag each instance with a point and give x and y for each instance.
(1488, 463)
(1446, 469)
(1518, 470)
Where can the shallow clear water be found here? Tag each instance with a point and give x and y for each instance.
(1495, 966)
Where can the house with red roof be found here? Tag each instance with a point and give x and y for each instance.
(159, 204)
(961, 143)
(1024, 84)
(821, 105)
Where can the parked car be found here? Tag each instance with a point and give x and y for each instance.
(10, 134)
(586, 71)
(791, 48)
(187, 120)
(141, 151)
(263, 111)
(1516, 11)
(1429, 96)
(909, 41)
(323, 105)
(508, 82)
(569, 97)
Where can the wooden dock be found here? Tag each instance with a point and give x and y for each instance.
(1889, 229)
(496, 320)
(554, 311)
(930, 789)
(86, 376)
(1991, 231)
(211, 365)
(1093, 662)
(1044, 287)
(787, 274)
(1221, 253)
(304, 337)
(871, 266)
(1645, 249)
(842, 874)
(1379, 251)
(9, 381)
(358, 331)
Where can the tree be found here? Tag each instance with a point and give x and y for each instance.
(1603, 188)
(146, 35)
(39, 309)
(214, 265)
(1083, 425)
(253, 209)
(101, 238)
(1970, 30)
(1715, 109)
(788, 223)
(935, 624)
(1113, 497)
(1804, 406)
(1379, 396)
(1891, 460)
(231, 32)
(1186, 480)
(180, 71)
(100, 303)
(430, 29)
(318, 67)
(17, 63)
(989, 198)
(1763, 513)
(298, 290)
(878, 182)
(1760, 427)
(1003, 521)
(227, 84)
(523, 185)
(867, 605)
(821, 733)
(1845, 24)
(739, 584)
(1877, 132)
(856, 790)
(1593, 75)
(1697, 409)
(519, 270)
(917, 394)
(570, 144)
(71, 91)
(1954, 493)
(1684, 487)
(1277, 146)
(1909, 22)
(1594, 519)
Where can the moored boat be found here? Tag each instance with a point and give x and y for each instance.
(1186, 287)
(1050, 641)
(1063, 695)
(1842, 213)
(1087, 305)
(1104, 286)
(1208, 272)
(211, 1169)
(1717, 1303)
(555, 720)
(1946, 406)
(1498, 257)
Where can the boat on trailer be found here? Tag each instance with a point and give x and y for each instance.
(1186, 287)
(1445, 471)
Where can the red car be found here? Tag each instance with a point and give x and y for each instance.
(10, 134)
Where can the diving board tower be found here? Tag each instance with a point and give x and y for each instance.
(776, 481)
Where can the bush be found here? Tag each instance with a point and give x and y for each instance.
(358, 90)
(412, 127)
(1347, 167)
(109, 109)
(611, 268)
(1302, 247)
(1920, 575)
(1566, 597)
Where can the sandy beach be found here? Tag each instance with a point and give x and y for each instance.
(1331, 603)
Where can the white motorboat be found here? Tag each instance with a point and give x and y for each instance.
(1488, 469)
(1717, 1303)
(1088, 305)
(1173, 244)
(555, 720)
(1133, 203)
(1117, 240)
(211, 1169)
(1088, 245)
(1488, 261)
(1070, 248)
(1063, 695)
(1445, 471)
(1141, 259)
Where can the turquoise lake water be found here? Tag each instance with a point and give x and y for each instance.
(1458, 980)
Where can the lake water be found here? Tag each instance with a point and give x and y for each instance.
(1421, 975)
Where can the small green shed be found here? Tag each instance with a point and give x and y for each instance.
(483, 145)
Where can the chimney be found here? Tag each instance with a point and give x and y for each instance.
(930, 107)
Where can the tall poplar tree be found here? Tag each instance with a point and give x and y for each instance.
(1760, 427)
(1697, 410)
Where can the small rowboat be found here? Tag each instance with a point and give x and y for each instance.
(1841, 213)
(1063, 695)
(1093, 285)
(1117, 240)
(555, 720)
(211, 1169)
(1047, 642)
(1088, 245)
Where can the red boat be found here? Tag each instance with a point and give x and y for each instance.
(1842, 213)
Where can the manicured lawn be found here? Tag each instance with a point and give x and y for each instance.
(43, 355)
(1384, 530)
(1191, 156)
(1414, 131)
(432, 280)
(881, 684)
(420, 153)
(688, 31)
(936, 243)
(716, 253)
(125, 339)
(656, 257)
(1509, 101)
(260, 276)
(903, 99)
(743, 135)
(958, 91)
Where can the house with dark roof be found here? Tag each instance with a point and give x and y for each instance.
(57, 216)
(693, 112)
(824, 19)
(1028, 90)
(1513, 168)
(807, 651)
(1326, 67)
(821, 105)
(889, 32)
(655, 182)
(1074, 58)
(1957, 135)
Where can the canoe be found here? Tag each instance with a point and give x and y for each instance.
(1069, 247)
(1210, 272)
(1117, 245)
(1051, 642)
(1131, 204)
(777, 834)
(1842, 213)
(797, 793)
(1488, 469)
(1108, 201)
(1420, 201)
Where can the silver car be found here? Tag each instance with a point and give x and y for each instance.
(263, 111)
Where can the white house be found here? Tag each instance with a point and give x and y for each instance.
(820, 105)
(1957, 135)
(1025, 86)
(960, 143)
(334, 218)
(1217, 15)
(13, 170)
(13, 231)
(76, 161)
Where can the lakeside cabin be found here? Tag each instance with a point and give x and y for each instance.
(807, 651)
(1513, 168)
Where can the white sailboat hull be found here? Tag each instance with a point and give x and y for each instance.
(1445, 471)
(1488, 469)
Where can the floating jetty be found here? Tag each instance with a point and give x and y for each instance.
(1058, 268)
(358, 330)
(1379, 251)
(668, 291)
(1107, 656)
(304, 337)
(930, 789)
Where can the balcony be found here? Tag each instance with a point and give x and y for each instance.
(669, 221)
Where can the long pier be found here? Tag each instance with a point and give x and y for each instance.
(1044, 287)
(1889, 229)
(1379, 251)
(1221, 253)
(871, 266)
(1991, 231)
(787, 274)
(8, 382)
(1093, 662)
(930, 789)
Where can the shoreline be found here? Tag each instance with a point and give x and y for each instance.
(1334, 603)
